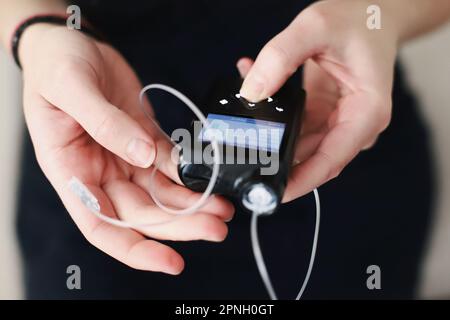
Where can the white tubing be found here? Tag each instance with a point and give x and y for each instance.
(215, 172)
(92, 203)
(260, 260)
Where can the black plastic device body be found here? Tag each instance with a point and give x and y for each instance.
(239, 170)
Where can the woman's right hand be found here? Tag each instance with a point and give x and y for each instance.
(82, 111)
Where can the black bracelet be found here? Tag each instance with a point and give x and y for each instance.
(52, 19)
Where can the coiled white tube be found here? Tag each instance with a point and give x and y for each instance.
(92, 203)
(215, 172)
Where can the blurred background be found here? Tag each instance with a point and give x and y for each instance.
(427, 62)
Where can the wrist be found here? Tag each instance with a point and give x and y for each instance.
(399, 14)
(13, 13)
(32, 38)
(33, 29)
(413, 18)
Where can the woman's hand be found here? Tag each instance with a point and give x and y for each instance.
(82, 110)
(348, 75)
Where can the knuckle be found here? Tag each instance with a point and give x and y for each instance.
(130, 263)
(106, 126)
(281, 56)
(71, 72)
(205, 224)
(383, 114)
(316, 15)
(211, 227)
(334, 169)
(66, 70)
(60, 78)
(127, 258)
(386, 117)
(370, 144)
(69, 76)
(124, 256)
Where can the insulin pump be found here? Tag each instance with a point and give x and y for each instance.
(256, 143)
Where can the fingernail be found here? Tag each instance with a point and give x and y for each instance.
(141, 153)
(252, 89)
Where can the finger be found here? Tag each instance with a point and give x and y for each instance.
(306, 146)
(172, 194)
(125, 245)
(317, 80)
(279, 59)
(324, 165)
(75, 90)
(167, 156)
(355, 125)
(244, 65)
(323, 95)
(133, 204)
(370, 144)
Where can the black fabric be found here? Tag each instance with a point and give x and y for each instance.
(376, 212)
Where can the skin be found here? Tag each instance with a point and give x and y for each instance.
(348, 77)
(81, 109)
(82, 117)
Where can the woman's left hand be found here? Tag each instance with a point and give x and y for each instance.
(348, 76)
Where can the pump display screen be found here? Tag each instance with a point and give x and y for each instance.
(243, 132)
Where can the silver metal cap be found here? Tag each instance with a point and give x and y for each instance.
(259, 198)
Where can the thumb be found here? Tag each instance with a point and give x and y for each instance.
(111, 127)
(279, 59)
